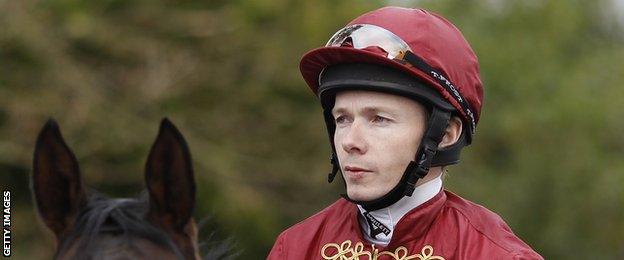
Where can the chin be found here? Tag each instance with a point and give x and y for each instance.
(358, 193)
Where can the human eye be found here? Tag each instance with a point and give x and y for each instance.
(377, 119)
(340, 119)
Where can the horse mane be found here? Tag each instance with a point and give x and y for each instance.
(124, 217)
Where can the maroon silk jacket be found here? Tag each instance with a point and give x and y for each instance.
(445, 227)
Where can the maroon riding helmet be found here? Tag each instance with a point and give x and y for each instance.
(408, 52)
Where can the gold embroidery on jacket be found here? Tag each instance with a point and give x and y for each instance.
(347, 252)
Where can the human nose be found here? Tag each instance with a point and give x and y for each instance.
(353, 140)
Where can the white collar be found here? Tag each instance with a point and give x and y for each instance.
(390, 216)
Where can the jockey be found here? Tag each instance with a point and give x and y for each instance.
(401, 96)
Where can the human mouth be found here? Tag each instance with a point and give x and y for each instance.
(355, 173)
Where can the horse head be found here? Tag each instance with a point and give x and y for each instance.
(88, 225)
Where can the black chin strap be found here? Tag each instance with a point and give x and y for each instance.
(335, 168)
(333, 159)
(438, 121)
(436, 125)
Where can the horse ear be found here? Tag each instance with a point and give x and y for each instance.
(169, 178)
(56, 181)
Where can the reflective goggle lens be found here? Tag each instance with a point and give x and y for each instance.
(361, 36)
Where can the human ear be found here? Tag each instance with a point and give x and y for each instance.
(451, 133)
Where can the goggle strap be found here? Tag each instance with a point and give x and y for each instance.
(420, 64)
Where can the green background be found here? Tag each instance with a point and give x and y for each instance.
(547, 155)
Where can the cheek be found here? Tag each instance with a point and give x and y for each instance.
(397, 150)
(337, 137)
(400, 141)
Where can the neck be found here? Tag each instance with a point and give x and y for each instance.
(433, 173)
(378, 225)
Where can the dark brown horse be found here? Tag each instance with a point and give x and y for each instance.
(88, 225)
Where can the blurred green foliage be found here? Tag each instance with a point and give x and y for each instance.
(547, 156)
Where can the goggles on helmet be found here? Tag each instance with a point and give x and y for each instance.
(362, 36)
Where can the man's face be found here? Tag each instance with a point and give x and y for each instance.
(376, 137)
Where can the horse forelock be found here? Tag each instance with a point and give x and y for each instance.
(122, 218)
